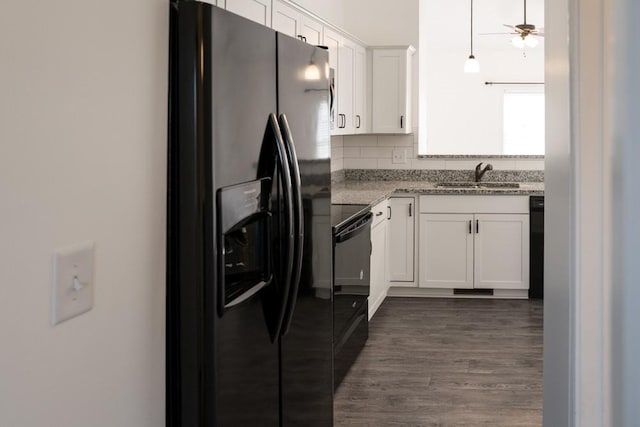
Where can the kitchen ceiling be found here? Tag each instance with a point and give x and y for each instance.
(449, 19)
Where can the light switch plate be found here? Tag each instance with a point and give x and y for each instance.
(73, 282)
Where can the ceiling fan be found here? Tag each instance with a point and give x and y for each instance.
(524, 33)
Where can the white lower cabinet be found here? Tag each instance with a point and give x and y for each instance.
(379, 284)
(501, 251)
(481, 249)
(401, 241)
(446, 251)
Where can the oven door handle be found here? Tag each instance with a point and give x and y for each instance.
(364, 223)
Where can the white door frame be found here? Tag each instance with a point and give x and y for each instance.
(592, 247)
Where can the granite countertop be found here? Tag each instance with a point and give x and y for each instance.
(374, 191)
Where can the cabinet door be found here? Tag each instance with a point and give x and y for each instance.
(360, 90)
(390, 110)
(256, 10)
(333, 41)
(401, 229)
(379, 283)
(501, 251)
(311, 30)
(446, 251)
(346, 116)
(286, 19)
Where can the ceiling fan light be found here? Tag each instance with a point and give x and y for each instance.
(530, 41)
(471, 65)
(518, 42)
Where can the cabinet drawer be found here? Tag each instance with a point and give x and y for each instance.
(380, 212)
(474, 204)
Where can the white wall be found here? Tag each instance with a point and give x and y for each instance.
(332, 11)
(83, 157)
(463, 115)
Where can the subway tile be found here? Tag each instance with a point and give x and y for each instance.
(360, 140)
(360, 164)
(395, 140)
(461, 164)
(337, 164)
(337, 152)
(501, 164)
(337, 141)
(388, 164)
(530, 165)
(427, 164)
(411, 154)
(376, 153)
(351, 152)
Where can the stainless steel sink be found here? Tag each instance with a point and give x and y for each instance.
(468, 184)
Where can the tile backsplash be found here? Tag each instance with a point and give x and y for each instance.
(376, 152)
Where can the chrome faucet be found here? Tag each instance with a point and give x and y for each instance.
(480, 172)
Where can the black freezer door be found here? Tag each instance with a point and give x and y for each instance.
(307, 359)
(222, 357)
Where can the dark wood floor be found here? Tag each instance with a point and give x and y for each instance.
(447, 362)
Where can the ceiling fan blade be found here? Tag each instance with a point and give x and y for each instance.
(513, 27)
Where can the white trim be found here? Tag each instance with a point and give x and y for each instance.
(591, 193)
(558, 405)
(395, 291)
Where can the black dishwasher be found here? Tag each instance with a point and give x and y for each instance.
(536, 242)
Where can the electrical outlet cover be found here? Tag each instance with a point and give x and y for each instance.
(399, 155)
(73, 282)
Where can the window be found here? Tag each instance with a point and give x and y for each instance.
(523, 123)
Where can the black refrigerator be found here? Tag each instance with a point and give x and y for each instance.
(249, 310)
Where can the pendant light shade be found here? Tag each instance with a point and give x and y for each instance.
(471, 65)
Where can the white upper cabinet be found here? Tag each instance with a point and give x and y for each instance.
(311, 30)
(349, 60)
(361, 123)
(346, 116)
(401, 237)
(286, 19)
(391, 88)
(256, 10)
(291, 21)
(332, 41)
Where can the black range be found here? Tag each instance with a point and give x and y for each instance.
(351, 280)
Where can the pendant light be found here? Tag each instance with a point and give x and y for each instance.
(471, 65)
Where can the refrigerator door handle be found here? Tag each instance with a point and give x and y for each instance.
(298, 222)
(264, 169)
